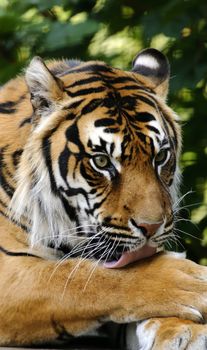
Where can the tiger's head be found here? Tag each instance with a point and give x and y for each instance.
(99, 171)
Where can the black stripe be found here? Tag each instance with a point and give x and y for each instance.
(144, 117)
(8, 107)
(46, 149)
(146, 100)
(7, 252)
(70, 191)
(63, 163)
(63, 167)
(164, 142)
(73, 105)
(3, 204)
(97, 205)
(84, 81)
(86, 176)
(108, 80)
(7, 111)
(94, 67)
(91, 106)
(168, 120)
(70, 116)
(152, 148)
(133, 87)
(3, 181)
(142, 137)
(120, 80)
(105, 122)
(47, 156)
(25, 121)
(8, 104)
(71, 212)
(16, 157)
(112, 147)
(86, 91)
(6, 186)
(72, 134)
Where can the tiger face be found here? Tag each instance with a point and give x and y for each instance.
(99, 170)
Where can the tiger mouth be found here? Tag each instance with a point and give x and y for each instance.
(123, 255)
(102, 248)
(112, 250)
(130, 257)
(115, 255)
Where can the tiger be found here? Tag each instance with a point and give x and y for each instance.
(89, 180)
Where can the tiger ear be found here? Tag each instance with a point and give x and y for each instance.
(155, 68)
(45, 88)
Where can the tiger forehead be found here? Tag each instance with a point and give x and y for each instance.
(114, 105)
(94, 68)
(121, 131)
(102, 86)
(94, 77)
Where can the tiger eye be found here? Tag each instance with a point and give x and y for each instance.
(101, 161)
(161, 156)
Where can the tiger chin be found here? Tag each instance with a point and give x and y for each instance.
(89, 182)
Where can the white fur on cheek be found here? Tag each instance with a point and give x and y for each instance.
(36, 201)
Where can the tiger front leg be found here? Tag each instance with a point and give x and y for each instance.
(35, 294)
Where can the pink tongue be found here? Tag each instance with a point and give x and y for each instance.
(129, 257)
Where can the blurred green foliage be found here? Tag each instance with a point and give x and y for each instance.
(114, 31)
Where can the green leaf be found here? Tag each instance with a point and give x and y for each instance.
(62, 34)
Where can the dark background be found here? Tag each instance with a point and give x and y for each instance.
(114, 31)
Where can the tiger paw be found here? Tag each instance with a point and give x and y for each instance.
(167, 334)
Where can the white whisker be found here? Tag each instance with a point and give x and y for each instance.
(188, 234)
(185, 207)
(176, 204)
(74, 270)
(94, 267)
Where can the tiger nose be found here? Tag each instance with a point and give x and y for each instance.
(147, 230)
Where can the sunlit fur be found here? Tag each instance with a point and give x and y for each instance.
(62, 217)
